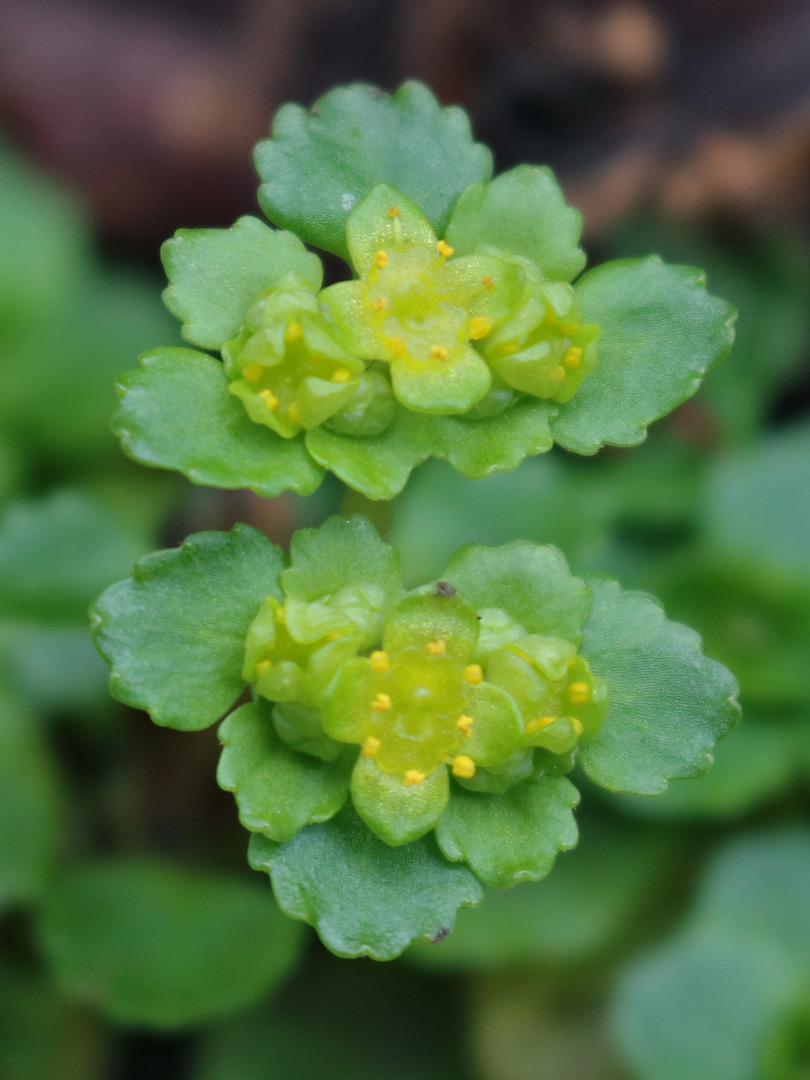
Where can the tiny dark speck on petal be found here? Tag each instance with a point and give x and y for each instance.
(440, 935)
(444, 588)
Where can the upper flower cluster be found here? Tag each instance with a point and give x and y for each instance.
(462, 333)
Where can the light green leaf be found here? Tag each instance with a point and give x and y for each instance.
(511, 837)
(318, 165)
(216, 274)
(278, 790)
(669, 704)
(174, 633)
(661, 333)
(176, 413)
(363, 897)
(531, 582)
(521, 212)
(159, 946)
(396, 812)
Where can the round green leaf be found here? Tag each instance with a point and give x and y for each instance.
(216, 274)
(661, 332)
(363, 897)
(521, 212)
(156, 945)
(176, 413)
(531, 582)
(174, 633)
(669, 704)
(317, 165)
(278, 790)
(511, 837)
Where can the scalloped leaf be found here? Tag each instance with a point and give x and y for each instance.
(153, 944)
(379, 466)
(661, 332)
(317, 165)
(176, 413)
(216, 274)
(669, 703)
(174, 633)
(363, 897)
(530, 581)
(511, 837)
(278, 790)
(521, 212)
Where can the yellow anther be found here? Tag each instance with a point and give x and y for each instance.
(464, 767)
(252, 372)
(474, 674)
(381, 703)
(508, 348)
(577, 726)
(371, 747)
(480, 326)
(380, 304)
(413, 776)
(281, 616)
(270, 399)
(444, 249)
(381, 260)
(393, 211)
(559, 372)
(573, 357)
(465, 723)
(342, 375)
(579, 693)
(263, 667)
(293, 332)
(397, 346)
(488, 281)
(436, 648)
(438, 352)
(379, 660)
(538, 724)
(293, 414)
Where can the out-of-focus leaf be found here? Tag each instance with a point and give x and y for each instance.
(152, 944)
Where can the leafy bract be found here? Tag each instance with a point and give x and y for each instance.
(175, 412)
(174, 633)
(669, 704)
(158, 945)
(511, 837)
(661, 332)
(363, 897)
(317, 165)
(216, 274)
(521, 212)
(277, 789)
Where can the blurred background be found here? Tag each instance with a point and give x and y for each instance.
(674, 942)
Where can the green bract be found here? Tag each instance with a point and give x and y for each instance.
(462, 335)
(446, 716)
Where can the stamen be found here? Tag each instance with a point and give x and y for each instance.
(444, 249)
(438, 352)
(559, 372)
(380, 304)
(270, 399)
(577, 725)
(573, 357)
(480, 326)
(538, 724)
(293, 414)
(579, 693)
(263, 667)
(464, 767)
(371, 747)
(281, 616)
(252, 372)
(381, 260)
(379, 660)
(397, 346)
(508, 348)
(413, 776)
(465, 723)
(474, 674)
(436, 648)
(293, 332)
(342, 375)
(381, 703)
(393, 211)
(488, 281)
